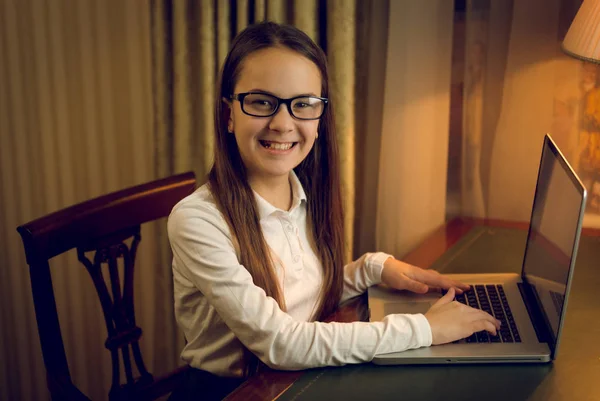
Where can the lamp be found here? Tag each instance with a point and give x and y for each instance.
(583, 38)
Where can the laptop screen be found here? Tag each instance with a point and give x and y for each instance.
(553, 234)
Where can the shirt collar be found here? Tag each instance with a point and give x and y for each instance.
(265, 209)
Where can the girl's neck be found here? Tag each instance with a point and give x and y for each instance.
(275, 190)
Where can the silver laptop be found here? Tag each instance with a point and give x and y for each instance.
(532, 305)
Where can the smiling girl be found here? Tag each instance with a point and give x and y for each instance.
(258, 250)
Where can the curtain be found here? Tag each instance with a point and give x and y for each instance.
(99, 95)
(75, 118)
(518, 85)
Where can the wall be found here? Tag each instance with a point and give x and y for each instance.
(368, 142)
(415, 125)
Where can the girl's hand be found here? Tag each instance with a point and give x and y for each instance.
(450, 320)
(402, 276)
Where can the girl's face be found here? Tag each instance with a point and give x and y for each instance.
(271, 147)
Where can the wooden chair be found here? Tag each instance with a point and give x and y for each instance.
(102, 225)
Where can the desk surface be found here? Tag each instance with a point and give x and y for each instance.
(573, 376)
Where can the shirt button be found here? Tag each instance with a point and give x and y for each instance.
(296, 258)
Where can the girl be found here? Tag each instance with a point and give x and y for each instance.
(257, 249)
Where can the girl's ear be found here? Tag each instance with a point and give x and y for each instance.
(229, 114)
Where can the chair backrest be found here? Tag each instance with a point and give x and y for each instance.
(102, 225)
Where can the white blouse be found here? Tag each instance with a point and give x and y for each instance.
(219, 308)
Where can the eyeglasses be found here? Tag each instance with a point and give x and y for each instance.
(259, 104)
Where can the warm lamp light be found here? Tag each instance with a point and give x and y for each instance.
(583, 38)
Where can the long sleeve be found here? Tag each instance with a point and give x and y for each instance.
(204, 255)
(363, 273)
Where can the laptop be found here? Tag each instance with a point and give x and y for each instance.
(532, 305)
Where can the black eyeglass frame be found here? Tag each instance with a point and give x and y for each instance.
(288, 102)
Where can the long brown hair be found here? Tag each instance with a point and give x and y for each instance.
(318, 174)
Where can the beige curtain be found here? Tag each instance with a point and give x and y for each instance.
(98, 95)
(75, 123)
(518, 85)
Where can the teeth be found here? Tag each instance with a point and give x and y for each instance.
(278, 146)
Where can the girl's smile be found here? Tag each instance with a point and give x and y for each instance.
(275, 147)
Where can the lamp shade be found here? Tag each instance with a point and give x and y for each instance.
(583, 38)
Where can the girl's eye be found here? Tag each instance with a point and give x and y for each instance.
(304, 104)
(261, 102)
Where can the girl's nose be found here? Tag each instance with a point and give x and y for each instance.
(282, 121)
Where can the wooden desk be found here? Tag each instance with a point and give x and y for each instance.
(269, 385)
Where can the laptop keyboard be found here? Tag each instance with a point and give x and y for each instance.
(492, 299)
